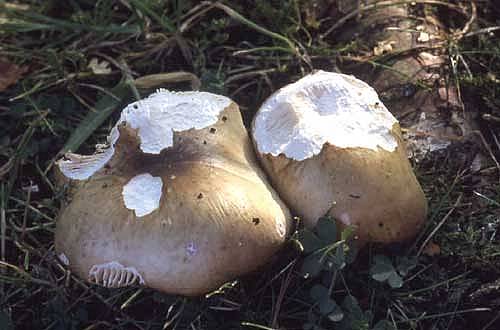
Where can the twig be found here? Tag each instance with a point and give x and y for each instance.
(439, 225)
(197, 11)
(460, 34)
(482, 31)
(25, 215)
(493, 320)
(291, 264)
(131, 298)
(3, 229)
(26, 276)
(281, 296)
(491, 201)
(174, 318)
(495, 138)
(256, 326)
(432, 316)
(490, 117)
(433, 286)
(32, 208)
(247, 74)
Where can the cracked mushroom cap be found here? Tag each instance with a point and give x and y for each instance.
(330, 147)
(175, 201)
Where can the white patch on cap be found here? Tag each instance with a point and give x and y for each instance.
(114, 275)
(158, 116)
(142, 194)
(155, 118)
(323, 107)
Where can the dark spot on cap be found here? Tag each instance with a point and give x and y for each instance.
(105, 185)
(354, 196)
(204, 142)
(213, 130)
(224, 118)
(381, 224)
(135, 106)
(200, 196)
(256, 221)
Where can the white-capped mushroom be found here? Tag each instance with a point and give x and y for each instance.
(176, 201)
(330, 146)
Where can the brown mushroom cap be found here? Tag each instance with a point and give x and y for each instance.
(216, 216)
(330, 147)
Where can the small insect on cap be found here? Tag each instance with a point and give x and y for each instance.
(331, 136)
(175, 200)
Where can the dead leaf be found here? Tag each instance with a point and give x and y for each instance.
(10, 73)
(423, 37)
(430, 60)
(449, 96)
(432, 249)
(384, 46)
(97, 67)
(427, 135)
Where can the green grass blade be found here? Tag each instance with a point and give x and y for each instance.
(105, 107)
(243, 20)
(142, 6)
(26, 21)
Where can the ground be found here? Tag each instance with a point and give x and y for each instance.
(67, 68)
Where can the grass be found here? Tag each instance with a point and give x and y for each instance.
(61, 104)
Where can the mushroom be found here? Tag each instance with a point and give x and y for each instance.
(330, 147)
(176, 200)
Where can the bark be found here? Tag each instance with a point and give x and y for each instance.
(401, 51)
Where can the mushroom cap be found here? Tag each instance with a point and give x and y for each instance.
(330, 147)
(176, 201)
